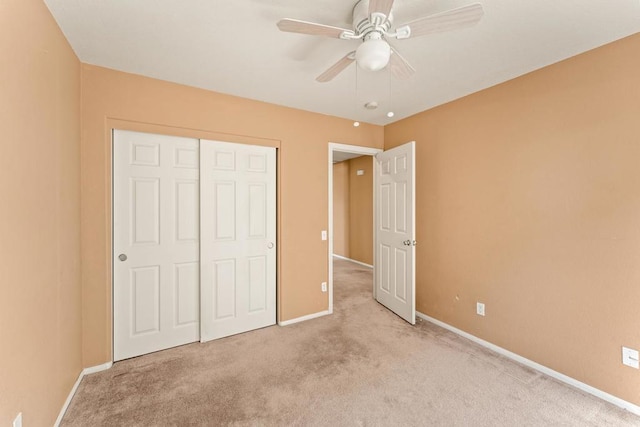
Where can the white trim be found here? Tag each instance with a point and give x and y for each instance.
(99, 368)
(356, 149)
(352, 260)
(634, 409)
(85, 371)
(68, 401)
(304, 318)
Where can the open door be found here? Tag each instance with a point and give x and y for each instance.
(395, 282)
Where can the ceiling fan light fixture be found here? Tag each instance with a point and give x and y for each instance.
(373, 54)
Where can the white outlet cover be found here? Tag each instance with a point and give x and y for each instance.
(630, 357)
(324, 286)
(323, 235)
(480, 308)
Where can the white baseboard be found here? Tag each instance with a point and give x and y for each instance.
(352, 260)
(85, 371)
(303, 318)
(99, 368)
(635, 409)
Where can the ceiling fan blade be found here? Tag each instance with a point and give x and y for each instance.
(303, 27)
(399, 66)
(380, 6)
(453, 19)
(337, 68)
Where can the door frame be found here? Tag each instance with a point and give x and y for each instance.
(353, 149)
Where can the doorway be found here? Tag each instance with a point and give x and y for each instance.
(394, 240)
(337, 153)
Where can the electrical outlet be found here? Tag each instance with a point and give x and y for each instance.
(324, 286)
(630, 357)
(18, 421)
(480, 309)
(323, 235)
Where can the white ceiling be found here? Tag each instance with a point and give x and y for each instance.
(234, 47)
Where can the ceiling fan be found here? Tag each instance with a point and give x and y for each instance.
(373, 24)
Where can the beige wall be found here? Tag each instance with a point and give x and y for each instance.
(111, 98)
(528, 199)
(40, 306)
(341, 209)
(361, 210)
(353, 209)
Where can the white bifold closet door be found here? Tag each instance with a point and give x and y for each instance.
(177, 201)
(238, 246)
(156, 252)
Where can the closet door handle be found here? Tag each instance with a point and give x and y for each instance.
(407, 243)
(270, 245)
(122, 257)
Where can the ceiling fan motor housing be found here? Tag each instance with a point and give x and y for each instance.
(363, 24)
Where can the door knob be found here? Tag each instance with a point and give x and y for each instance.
(270, 245)
(407, 243)
(122, 257)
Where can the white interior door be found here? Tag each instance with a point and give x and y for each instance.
(155, 243)
(238, 252)
(395, 227)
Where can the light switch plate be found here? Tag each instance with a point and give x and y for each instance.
(323, 235)
(630, 357)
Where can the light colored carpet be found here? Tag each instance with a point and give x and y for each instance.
(362, 366)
